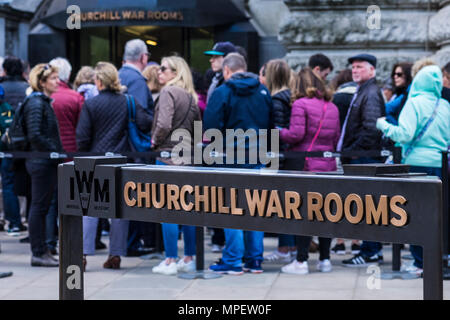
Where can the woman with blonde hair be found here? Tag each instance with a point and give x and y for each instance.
(175, 108)
(102, 128)
(278, 77)
(42, 131)
(151, 74)
(84, 82)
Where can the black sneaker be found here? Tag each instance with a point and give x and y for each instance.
(253, 266)
(355, 248)
(339, 248)
(13, 232)
(25, 240)
(361, 261)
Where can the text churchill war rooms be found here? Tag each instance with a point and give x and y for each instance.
(263, 204)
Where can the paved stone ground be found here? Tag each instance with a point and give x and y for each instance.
(136, 281)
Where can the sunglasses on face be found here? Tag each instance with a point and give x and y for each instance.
(45, 68)
(398, 74)
(164, 68)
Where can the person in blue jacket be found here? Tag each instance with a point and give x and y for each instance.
(421, 148)
(136, 58)
(401, 78)
(242, 102)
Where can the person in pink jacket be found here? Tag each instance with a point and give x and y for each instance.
(314, 126)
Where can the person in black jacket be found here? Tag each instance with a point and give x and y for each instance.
(43, 136)
(102, 127)
(344, 88)
(15, 87)
(277, 76)
(359, 132)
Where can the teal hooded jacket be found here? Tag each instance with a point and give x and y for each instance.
(425, 91)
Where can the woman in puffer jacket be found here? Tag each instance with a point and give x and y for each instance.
(43, 136)
(314, 126)
(277, 78)
(103, 128)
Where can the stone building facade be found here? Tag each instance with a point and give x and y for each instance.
(394, 30)
(15, 16)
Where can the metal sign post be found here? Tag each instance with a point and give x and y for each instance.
(387, 209)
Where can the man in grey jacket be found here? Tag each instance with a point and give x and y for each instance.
(135, 58)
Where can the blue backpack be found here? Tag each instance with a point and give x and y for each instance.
(138, 140)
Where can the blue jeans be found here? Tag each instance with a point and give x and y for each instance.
(368, 248)
(286, 240)
(10, 201)
(51, 223)
(170, 236)
(242, 244)
(417, 251)
(117, 236)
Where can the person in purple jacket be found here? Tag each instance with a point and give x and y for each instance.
(314, 126)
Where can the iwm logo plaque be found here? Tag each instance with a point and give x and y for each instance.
(88, 186)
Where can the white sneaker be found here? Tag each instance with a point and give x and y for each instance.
(167, 269)
(296, 267)
(186, 266)
(216, 248)
(278, 256)
(324, 265)
(411, 269)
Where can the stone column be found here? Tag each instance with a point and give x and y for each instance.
(439, 32)
(341, 28)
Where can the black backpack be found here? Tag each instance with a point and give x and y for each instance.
(15, 137)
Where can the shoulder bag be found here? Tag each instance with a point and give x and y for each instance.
(307, 160)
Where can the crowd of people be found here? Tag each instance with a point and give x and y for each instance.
(351, 112)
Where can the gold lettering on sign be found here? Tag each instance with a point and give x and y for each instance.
(292, 206)
(173, 16)
(234, 208)
(221, 200)
(377, 214)
(274, 205)
(162, 196)
(256, 201)
(202, 198)
(213, 190)
(359, 208)
(143, 195)
(131, 15)
(173, 193)
(126, 193)
(186, 189)
(315, 203)
(126, 14)
(399, 211)
(337, 216)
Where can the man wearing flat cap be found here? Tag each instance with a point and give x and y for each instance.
(359, 133)
(217, 54)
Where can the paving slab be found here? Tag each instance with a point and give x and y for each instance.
(135, 280)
